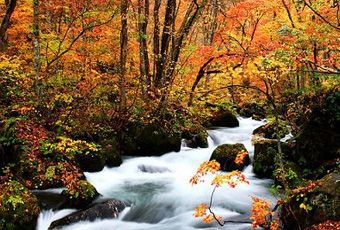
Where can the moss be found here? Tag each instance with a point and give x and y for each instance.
(202, 139)
(226, 155)
(19, 208)
(80, 194)
(269, 130)
(149, 139)
(194, 134)
(110, 152)
(264, 159)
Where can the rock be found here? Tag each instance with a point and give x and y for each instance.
(80, 194)
(49, 200)
(19, 208)
(224, 118)
(111, 152)
(153, 169)
(323, 200)
(106, 210)
(319, 139)
(252, 110)
(268, 131)
(226, 155)
(264, 156)
(90, 161)
(149, 140)
(199, 140)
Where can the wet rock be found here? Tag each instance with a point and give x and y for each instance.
(49, 200)
(149, 140)
(109, 149)
(153, 169)
(269, 131)
(226, 155)
(253, 110)
(91, 161)
(198, 140)
(106, 210)
(224, 118)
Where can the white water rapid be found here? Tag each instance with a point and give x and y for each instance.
(166, 200)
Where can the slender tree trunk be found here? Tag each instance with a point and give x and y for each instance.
(143, 12)
(167, 34)
(123, 53)
(36, 38)
(156, 40)
(10, 6)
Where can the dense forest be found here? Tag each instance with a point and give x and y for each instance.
(90, 88)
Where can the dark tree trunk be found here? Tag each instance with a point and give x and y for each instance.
(10, 6)
(123, 52)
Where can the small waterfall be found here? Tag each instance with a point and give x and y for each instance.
(165, 199)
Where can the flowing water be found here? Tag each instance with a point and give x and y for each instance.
(160, 193)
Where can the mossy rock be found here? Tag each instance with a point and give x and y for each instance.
(90, 161)
(148, 140)
(226, 155)
(80, 194)
(19, 208)
(264, 159)
(269, 131)
(109, 149)
(253, 110)
(323, 202)
(223, 118)
(196, 140)
(319, 139)
(265, 152)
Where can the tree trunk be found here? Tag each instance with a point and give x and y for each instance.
(36, 38)
(123, 53)
(10, 6)
(143, 19)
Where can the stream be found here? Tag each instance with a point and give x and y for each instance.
(160, 193)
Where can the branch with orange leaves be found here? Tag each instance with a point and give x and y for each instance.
(261, 214)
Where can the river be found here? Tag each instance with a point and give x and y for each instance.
(164, 199)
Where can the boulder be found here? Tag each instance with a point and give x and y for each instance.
(109, 149)
(198, 140)
(80, 194)
(19, 208)
(149, 140)
(224, 118)
(252, 110)
(319, 139)
(49, 200)
(226, 155)
(106, 210)
(90, 161)
(264, 156)
(268, 131)
(323, 202)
